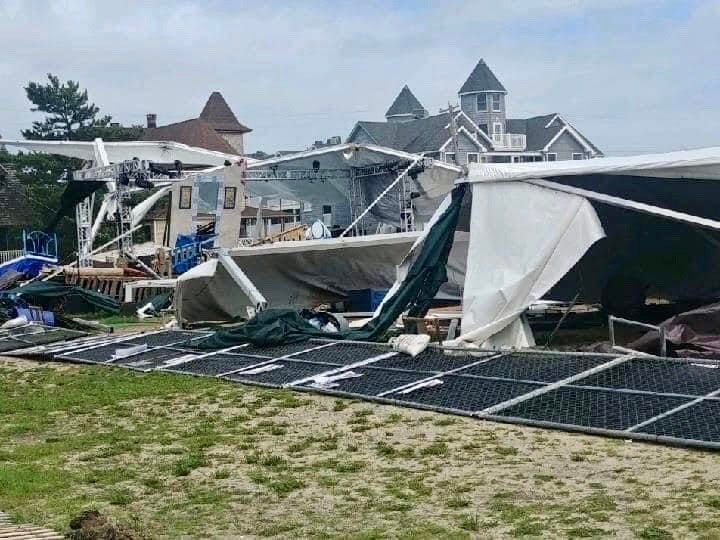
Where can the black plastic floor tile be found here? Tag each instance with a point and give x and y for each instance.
(657, 375)
(275, 351)
(431, 360)
(593, 408)
(466, 393)
(288, 372)
(216, 364)
(152, 359)
(540, 367)
(374, 381)
(342, 354)
(698, 422)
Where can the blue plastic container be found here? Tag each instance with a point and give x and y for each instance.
(365, 299)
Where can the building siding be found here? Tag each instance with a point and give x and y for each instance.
(468, 103)
(361, 137)
(565, 146)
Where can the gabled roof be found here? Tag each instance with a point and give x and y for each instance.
(405, 104)
(482, 79)
(541, 130)
(195, 132)
(219, 115)
(416, 136)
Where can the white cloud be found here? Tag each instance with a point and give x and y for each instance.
(632, 75)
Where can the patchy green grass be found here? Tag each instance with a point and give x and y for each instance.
(173, 456)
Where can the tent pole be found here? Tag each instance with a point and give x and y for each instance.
(628, 204)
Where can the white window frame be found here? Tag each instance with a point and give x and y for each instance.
(493, 97)
(454, 160)
(582, 156)
(477, 106)
(477, 157)
(497, 131)
(553, 154)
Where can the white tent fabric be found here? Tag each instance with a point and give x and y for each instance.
(524, 238)
(700, 164)
(216, 290)
(161, 151)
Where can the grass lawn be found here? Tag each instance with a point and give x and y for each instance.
(171, 455)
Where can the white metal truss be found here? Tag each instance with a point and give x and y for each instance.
(83, 221)
(295, 174)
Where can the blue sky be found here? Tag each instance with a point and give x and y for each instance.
(633, 75)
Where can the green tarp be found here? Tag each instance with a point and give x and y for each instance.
(49, 294)
(424, 278)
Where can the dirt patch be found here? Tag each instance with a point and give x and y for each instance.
(92, 525)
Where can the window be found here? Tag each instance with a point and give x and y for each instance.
(481, 103)
(275, 221)
(497, 128)
(472, 157)
(484, 128)
(327, 209)
(185, 197)
(516, 159)
(496, 102)
(450, 157)
(577, 156)
(552, 157)
(229, 200)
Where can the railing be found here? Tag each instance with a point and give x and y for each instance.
(509, 141)
(10, 254)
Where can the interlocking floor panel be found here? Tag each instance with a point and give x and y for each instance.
(697, 422)
(373, 381)
(540, 367)
(99, 354)
(663, 376)
(275, 351)
(216, 364)
(288, 372)
(462, 393)
(170, 337)
(604, 409)
(11, 344)
(145, 361)
(342, 353)
(434, 360)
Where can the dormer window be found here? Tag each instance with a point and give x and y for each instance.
(496, 103)
(482, 104)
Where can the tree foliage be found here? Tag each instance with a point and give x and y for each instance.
(67, 108)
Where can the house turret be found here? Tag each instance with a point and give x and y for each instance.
(406, 107)
(482, 98)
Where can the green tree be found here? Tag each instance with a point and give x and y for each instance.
(67, 108)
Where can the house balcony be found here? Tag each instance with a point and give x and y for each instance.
(509, 141)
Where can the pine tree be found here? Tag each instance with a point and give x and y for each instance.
(68, 112)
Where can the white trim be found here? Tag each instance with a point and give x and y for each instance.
(475, 127)
(555, 138)
(476, 154)
(552, 120)
(547, 156)
(582, 156)
(567, 126)
(482, 92)
(469, 135)
(446, 154)
(492, 103)
(478, 109)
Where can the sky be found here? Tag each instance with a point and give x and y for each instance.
(635, 76)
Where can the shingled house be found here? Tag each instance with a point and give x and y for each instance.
(485, 133)
(217, 128)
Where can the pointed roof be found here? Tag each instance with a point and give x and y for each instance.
(405, 103)
(219, 115)
(482, 79)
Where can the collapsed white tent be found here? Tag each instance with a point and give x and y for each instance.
(216, 290)
(527, 232)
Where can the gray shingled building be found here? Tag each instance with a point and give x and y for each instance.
(485, 133)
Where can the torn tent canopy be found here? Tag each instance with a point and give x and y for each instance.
(74, 193)
(425, 269)
(72, 299)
